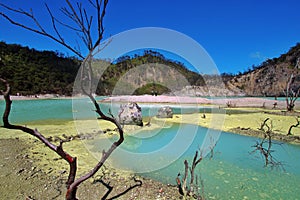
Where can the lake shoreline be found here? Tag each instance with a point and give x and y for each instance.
(239, 101)
(34, 172)
(254, 108)
(43, 159)
(186, 100)
(241, 111)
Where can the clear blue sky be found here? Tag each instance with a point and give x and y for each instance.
(236, 33)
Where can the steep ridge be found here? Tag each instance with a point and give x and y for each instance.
(271, 77)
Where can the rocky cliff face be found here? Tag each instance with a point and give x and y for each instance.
(147, 74)
(132, 75)
(271, 77)
(268, 79)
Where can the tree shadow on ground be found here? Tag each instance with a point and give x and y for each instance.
(138, 183)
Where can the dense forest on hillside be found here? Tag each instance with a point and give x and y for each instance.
(40, 72)
(37, 72)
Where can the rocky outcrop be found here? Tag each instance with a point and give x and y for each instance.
(130, 114)
(165, 112)
(203, 91)
(270, 78)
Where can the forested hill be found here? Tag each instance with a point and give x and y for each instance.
(139, 74)
(37, 72)
(40, 72)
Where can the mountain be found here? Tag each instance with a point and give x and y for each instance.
(40, 72)
(140, 74)
(271, 77)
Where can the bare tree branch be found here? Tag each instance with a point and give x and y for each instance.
(290, 95)
(100, 16)
(184, 189)
(92, 3)
(40, 31)
(264, 146)
(263, 124)
(83, 27)
(80, 17)
(34, 132)
(293, 126)
(53, 23)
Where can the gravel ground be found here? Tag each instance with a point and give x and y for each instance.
(22, 178)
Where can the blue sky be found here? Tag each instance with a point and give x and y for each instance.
(235, 33)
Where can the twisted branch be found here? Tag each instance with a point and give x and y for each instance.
(83, 28)
(83, 24)
(264, 146)
(293, 126)
(34, 132)
(290, 95)
(183, 188)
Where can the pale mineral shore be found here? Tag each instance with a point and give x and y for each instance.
(32, 97)
(166, 99)
(183, 100)
(243, 115)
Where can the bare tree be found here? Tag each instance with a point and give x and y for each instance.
(230, 104)
(293, 126)
(190, 189)
(290, 95)
(84, 26)
(264, 146)
(212, 146)
(82, 20)
(263, 124)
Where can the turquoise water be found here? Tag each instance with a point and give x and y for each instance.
(232, 173)
(68, 109)
(36, 110)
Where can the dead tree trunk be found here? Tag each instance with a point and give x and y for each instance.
(290, 95)
(263, 124)
(264, 146)
(34, 132)
(72, 183)
(188, 189)
(293, 126)
(83, 26)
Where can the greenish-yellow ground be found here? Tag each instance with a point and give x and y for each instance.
(30, 170)
(244, 118)
(233, 119)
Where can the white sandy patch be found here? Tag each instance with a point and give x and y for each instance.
(235, 102)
